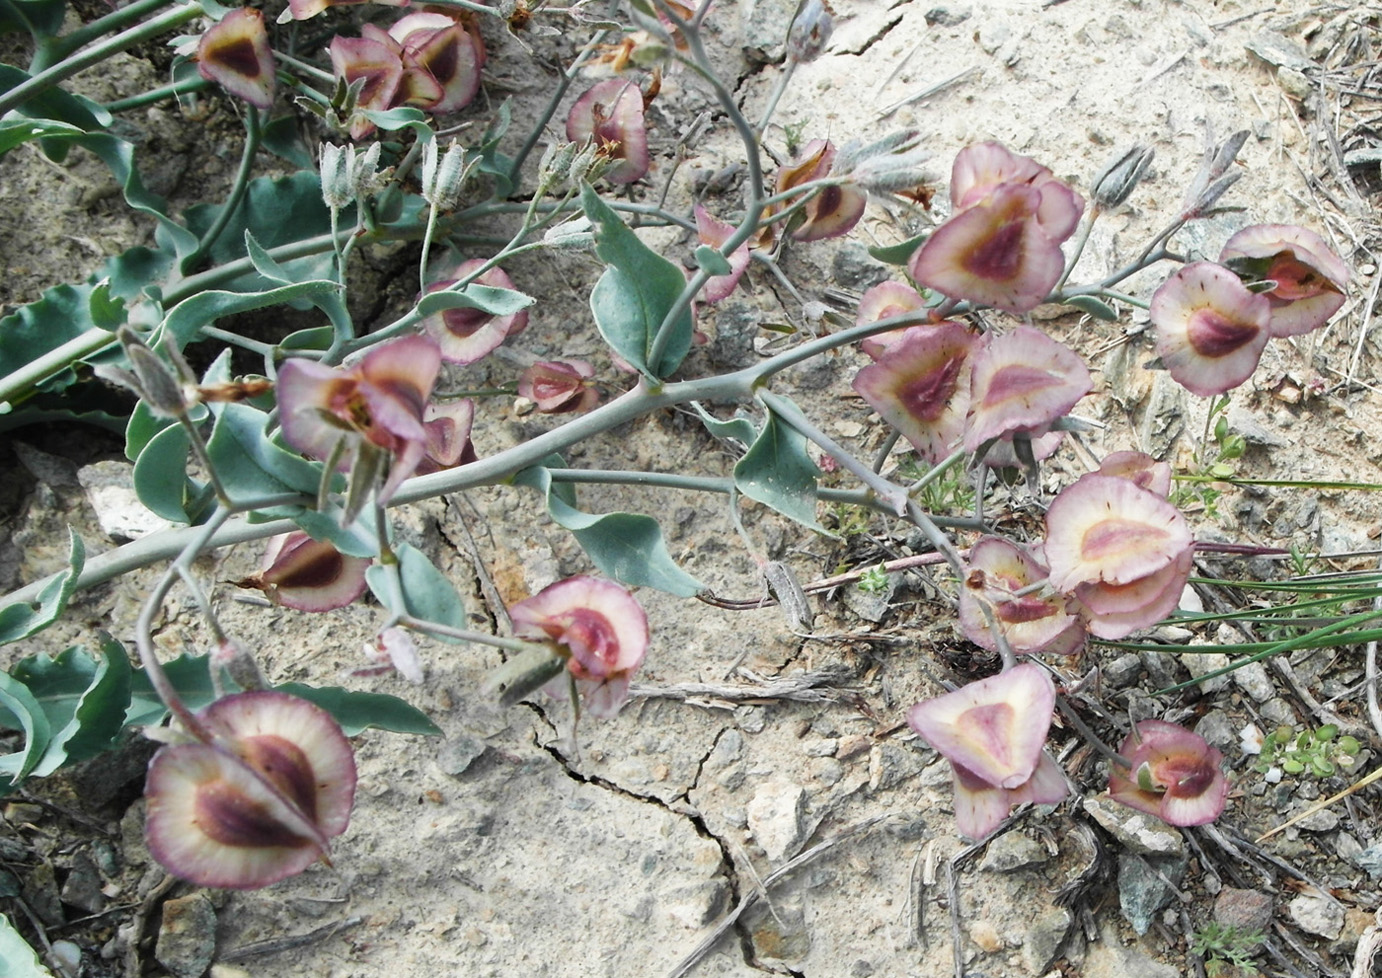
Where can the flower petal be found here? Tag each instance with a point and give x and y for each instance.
(995, 727)
(1104, 528)
(994, 252)
(1022, 382)
(921, 386)
(1031, 623)
(611, 113)
(1210, 330)
(1311, 279)
(235, 54)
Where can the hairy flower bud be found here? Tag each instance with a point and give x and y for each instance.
(810, 31)
(443, 176)
(337, 190)
(1121, 175)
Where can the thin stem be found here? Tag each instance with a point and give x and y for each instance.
(936, 471)
(1073, 716)
(194, 437)
(773, 99)
(1080, 243)
(98, 28)
(306, 68)
(464, 635)
(185, 87)
(880, 457)
(426, 248)
(550, 109)
(143, 631)
(237, 191)
(95, 54)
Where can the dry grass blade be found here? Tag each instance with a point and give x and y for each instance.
(1321, 806)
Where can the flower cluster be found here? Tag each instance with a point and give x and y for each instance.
(940, 384)
(428, 60)
(379, 407)
(993, 733)
(1213, 320)
(834, 209)
(1002, 244)
(609, 116)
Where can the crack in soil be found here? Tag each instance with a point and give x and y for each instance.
(878, 35)
(680, 806)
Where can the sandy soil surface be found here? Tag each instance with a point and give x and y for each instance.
(788, 779)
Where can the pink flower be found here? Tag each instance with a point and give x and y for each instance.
(308, 575)
(1123, 552)
(1173, 774)
(1210, 330)
(448, 427)
(715, 233)
(1001, 245)
(448, 49)
(559, 386)
(1022, 382)
(884, 301)
(394, 649)
(377, 403)
(611, 114)
(468, 335)
(1140, 468)
(992, 731)
(921, 386)
(257, 804)
(1031, 623)
(598, 627)
(835, 209)
(427, 60)
(235, 54)
(1310, 278)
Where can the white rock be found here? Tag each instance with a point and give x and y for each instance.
(1315, 913)
(775, 818)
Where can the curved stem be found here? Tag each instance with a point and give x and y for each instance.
(143, 630)
(550, 108)
(96, 54)
(99, 27)
(237, 191)
(481, 638)
(157, 95)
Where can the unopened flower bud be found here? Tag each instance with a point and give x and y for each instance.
(443, 176)
(555, 168)
(336, 161)
(810, 31)
(365, 179)
(164, 391)
(573, 234)
(1121, 175)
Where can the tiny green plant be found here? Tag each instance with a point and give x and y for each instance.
(874, 580)
(1307, 753)
(1224, 946)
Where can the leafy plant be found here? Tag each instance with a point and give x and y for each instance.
(1223, 946)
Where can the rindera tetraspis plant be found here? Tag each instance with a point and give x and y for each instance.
(342, 425)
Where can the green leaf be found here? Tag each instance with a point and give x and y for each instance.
(283, 137)
(20, 620)
(160, 475)
(188, 317)
(486, 298)
(739, 429)
(276, 211)
(36, 329)
(355, 540)
(191, 677)
(16, 698)
(712, 261)
(251, 465)
(14, 132)
(142, 427)
(356, 711)
(626, 546)
(900, 253)
(1097, 308)
(118, 157)
(134, 269)
(777, 472)
(37, 16)
(83, 700)
(17, 959)
(427, 593)
(492, 162)
(637, 290)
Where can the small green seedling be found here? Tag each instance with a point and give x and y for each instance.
(1223, 947)
(1318, 753)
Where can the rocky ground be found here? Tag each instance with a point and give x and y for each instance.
(761, 806)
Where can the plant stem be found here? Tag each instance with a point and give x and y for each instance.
(550, 109)
(86, 33)
(95, 54)
(481, 638)
(237, 191)
(157, 95)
